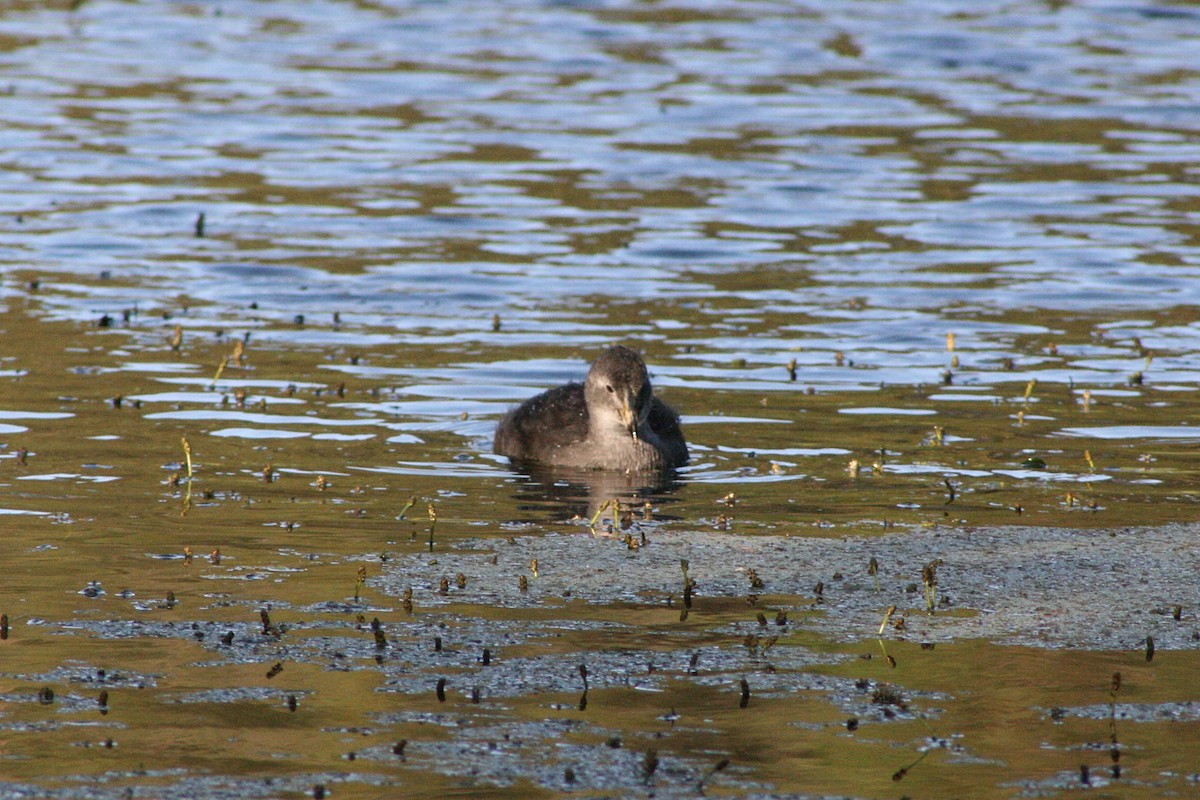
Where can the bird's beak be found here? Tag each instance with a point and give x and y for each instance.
(629, 416)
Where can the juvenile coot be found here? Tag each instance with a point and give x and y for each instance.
(612, 421)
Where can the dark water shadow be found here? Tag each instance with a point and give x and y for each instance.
(561, 493)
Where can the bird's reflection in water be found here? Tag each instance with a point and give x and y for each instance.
(567, 494)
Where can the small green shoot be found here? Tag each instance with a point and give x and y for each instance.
(404, 511)
(187, 456)
(1029, 387)
(359, 583)
(929, 578)
(220, 369)
(887, 617)
(432, 512)
(614, 504)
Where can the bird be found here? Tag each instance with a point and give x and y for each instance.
(611, 421)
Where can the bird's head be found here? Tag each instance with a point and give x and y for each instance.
(618, 390)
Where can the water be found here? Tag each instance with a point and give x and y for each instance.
(914, 274)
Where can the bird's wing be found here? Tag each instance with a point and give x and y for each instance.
(539, 426)
(664, 421)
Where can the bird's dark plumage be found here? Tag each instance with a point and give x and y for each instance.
(612, 421)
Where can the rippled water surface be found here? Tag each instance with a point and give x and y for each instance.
(909, 270)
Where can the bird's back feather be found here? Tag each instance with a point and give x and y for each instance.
(539, 428)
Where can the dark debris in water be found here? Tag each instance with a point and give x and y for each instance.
(178, 784)
(457, 646)
(567, 756)
(1044, 587)
(1132, 712)
(84, 676)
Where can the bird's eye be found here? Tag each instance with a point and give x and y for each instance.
(610, 389)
